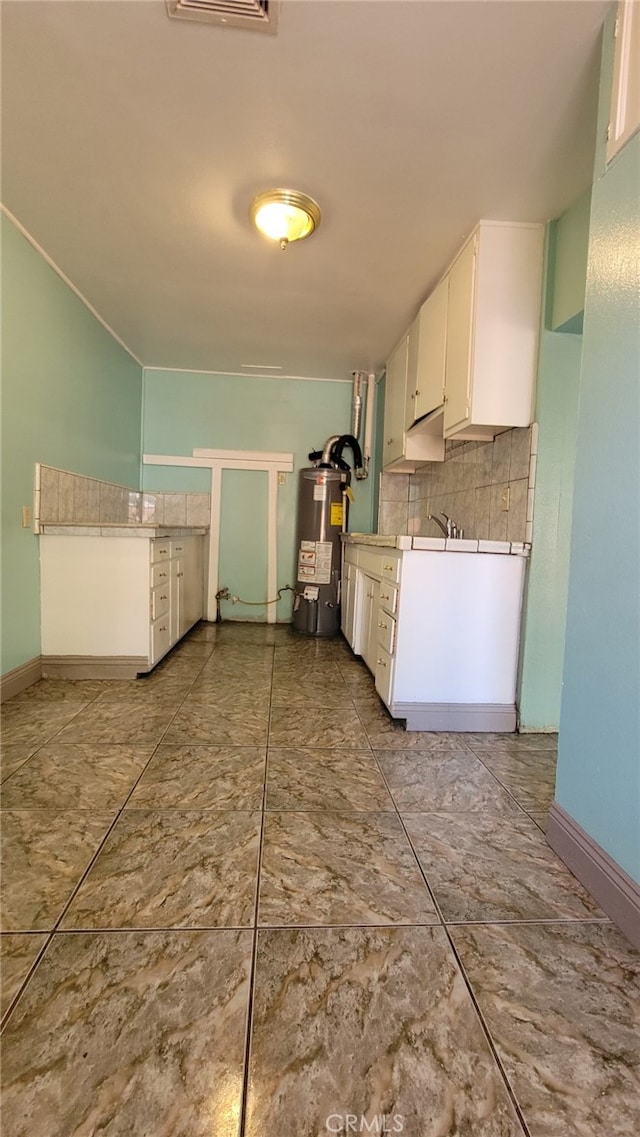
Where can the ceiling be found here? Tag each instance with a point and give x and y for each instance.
(133, 144)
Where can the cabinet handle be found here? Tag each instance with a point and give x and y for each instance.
(161, 574)
(413, 394)
(381, 625)
(179, 574)
(417, 394)
(389, 441)
(163, 628)
(381, 662)
(384, 596)
(388, 568)
(163, 597)
(178, 548)
(163, 550)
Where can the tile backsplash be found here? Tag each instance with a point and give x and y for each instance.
(62, 497)
(471, 486)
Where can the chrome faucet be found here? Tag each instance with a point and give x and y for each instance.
(450, 529)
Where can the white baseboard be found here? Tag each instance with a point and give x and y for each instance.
(457, 716)
(17, 680)
(616, 892)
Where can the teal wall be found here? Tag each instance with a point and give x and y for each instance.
(598, 780)
(185, 410)
(571, 238)
(599, 752)
(71, 397)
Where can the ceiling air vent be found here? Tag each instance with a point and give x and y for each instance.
(257, 15)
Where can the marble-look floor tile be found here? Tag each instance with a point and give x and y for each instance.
(202, 777)
(495, 868)
(34, 723)
(385, 733)
(235, 698)
(317, 726)
(44, 854)
(218, 726)
(512, 742)
(529, 775)
(76, 776)
(17, 954)
(305, 692)
(119, 722)
(164, 689)
(13, 755)
(340, 868)
(290, 672)
(130, 1033)
(442, 781)
(561, 1002)
(171, 869)
(60, 690)
(375, 1023)
(307, 779)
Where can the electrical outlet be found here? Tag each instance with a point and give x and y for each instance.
(506, 499)
(26, 517)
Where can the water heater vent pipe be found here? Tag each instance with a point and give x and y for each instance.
(356, 406)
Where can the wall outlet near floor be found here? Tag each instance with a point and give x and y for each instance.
(506, 498)
(26, 517)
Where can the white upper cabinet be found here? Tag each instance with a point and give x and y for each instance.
(625, 93)
(495, 289)
(394, 403)
(426, 363)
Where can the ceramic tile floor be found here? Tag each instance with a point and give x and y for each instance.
(240, 901)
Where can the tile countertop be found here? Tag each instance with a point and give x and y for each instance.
(135, 530)
(437, 544)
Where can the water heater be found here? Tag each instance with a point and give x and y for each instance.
(322, 507)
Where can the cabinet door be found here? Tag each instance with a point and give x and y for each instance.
(348, 603)
(370, 625)
(193, 583)
(176, 603)
(431, 352)
(459, 337)
(394, 403)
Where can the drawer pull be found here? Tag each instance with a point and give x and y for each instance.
(381, 625)
(179, 574)
(388, 568)
(384, 596)
(163, 550)
(389, 441)
(161, 574)
(163, 628)
(381, 662)
(163, 597)
(178, 548)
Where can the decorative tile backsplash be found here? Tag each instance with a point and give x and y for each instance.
(62, 497)
(472, 486)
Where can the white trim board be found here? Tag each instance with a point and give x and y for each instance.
(270, 462)
(251, 375)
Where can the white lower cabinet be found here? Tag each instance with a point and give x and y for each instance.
(114, 606)
(440, 633)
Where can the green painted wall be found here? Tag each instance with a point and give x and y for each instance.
(71, 397)
(598, 781)
(571, 249)
(184, 410)
(557, 393)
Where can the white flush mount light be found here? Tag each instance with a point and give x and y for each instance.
(285, 215)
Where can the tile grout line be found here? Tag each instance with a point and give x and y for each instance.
(483, 1025)
(56, 927)
(244, 1099)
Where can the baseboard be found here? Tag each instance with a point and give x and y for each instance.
(20, 678)
(457, 716)
(93, 666)
(616, 892)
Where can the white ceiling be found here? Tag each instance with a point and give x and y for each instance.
(132, 145)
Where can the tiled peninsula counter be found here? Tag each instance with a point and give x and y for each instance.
(437, 621)
(116, 598)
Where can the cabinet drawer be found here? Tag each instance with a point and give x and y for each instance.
(177, 547)
(386, 632)
(389, 598)
(160, 549)
(390, 568)
(159, 601)
(160, 638)
(159, 574)
(384, 675)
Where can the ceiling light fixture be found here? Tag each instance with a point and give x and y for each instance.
(285, 215)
